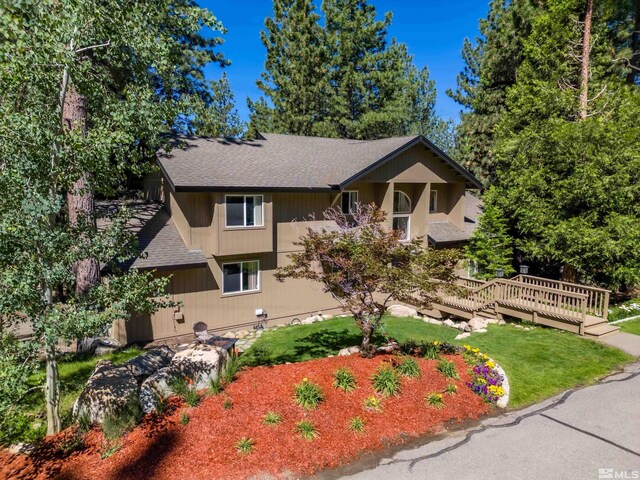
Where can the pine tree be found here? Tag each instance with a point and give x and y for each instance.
(260, 118)
(296, 78)
(219, 117)
(490, 69)
(568, 161)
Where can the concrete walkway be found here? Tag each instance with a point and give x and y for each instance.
(571, 436)
(628, 342)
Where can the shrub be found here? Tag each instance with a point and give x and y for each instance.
(408, 367)
(307, 430)
(185, 389)
(410, 347)
(84, 424)
(435, 400)
(344, 380)
(184, 418)
(109, 450)
(227, 404)
(73, 443)
(386, 382)
(272, 418)
(447, 368)
(161, 405)
(116, 424)
(260, 356)
(431, 350)
(215, 386)
(245, 446)
(447, 348)
(357, 425)
(308, 395)
(451, 389)
(372, 404)
(231, 368)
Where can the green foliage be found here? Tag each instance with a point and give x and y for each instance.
(245, 446)
(357, 425)
(408, 367)
(448, 369)
(215, 386)
(227, 404)
(386, 382)
(184, 418)
(117, 423)
(344, 379)
(84, 424)
(218, 117)
(431, 350)
(308, 395)
(434, 400)
(110, 449)
(260, 355)
(185, 388)
(231, 368)
(307, 430)
(490, 247)
(72, 443)
(372, 404)
(272, 418)
(451, 389)
(363, 264)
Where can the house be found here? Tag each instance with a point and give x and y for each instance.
(232, 210)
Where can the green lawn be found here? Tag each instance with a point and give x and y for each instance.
(74, 371)
(632, 326)
(539, 363)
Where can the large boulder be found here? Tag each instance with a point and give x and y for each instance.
(150, 362)
(109, 389)
(478, 323)
(401, 311)
(98, 345)
(464, 327)
(199, 363)
(449, 323)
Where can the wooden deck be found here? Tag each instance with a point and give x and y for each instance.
(577, 308)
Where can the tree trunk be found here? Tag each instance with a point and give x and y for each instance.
(52, 391)
(569, 274)
(586, 52)
(80, 198)
(634, 73)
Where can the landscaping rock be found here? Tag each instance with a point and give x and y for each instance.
(348, 351)
(464, 326)
(98, 345)
(481, 330)
(229, 335)
(435, 321)
(501, 322)
(202, 363)
(388, 348)
(242, 333)
(492, 321)
(449, 323)
(109, 389)
(402, 311)
(463, 336)
(150, 362)
(476, 323)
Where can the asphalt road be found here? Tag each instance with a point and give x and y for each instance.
(588, 433)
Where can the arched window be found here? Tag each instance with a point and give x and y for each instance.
(402, 214)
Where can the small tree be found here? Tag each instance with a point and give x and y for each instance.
(490, 247)
(365, 266)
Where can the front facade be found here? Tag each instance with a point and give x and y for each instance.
(232, 211)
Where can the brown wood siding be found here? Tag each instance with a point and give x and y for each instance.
(450, 203)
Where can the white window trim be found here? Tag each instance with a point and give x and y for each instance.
(244, 211)
(408, 217)
(349, 192)
(239, 292)
(433, 208)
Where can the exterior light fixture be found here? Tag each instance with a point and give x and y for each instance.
(499, 272)
(524, 269)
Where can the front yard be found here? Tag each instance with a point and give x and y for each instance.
(632, 326)
(539, 363)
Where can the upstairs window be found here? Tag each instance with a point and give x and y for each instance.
(402, 214)
(349, 201)
(433, 201)
(244, 211)
(239, 277)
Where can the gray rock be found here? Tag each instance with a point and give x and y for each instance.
(401, 311)
(388, 348)
(501, 322)
(201, 364)
(463, 336)
(149, 362)
(476, 323)
(464, 326)
(481, 330)
(98, 345)
(109, 389)
(435, 321)
(449, 323)
(348, 351)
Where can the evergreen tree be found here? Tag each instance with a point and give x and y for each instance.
(296, 77)
(260, 118)
(490, 247)
(568, 161)
(218, 117)
(490, 69)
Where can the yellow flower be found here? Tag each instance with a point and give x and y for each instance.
(475, 350)
(305, 379)
(484, 356)
(436, 342)
(481, 380)
(490, 364)
(467, 347)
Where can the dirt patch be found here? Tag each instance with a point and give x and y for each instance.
(205, 447)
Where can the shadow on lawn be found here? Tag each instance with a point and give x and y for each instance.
(321, 344)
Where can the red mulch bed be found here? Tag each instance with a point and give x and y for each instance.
(205, 448)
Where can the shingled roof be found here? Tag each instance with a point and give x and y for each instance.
(283, 162)
(446, 232)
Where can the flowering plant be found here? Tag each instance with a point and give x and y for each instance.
(486, 381)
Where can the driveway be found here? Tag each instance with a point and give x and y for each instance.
(587, 433)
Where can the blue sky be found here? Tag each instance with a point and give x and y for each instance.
(434, 31)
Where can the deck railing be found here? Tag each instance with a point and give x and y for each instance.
(597, 298)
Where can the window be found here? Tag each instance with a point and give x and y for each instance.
(243, 211)
(433, 201)
(402, 214)
(238, 277)
(349, 200)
